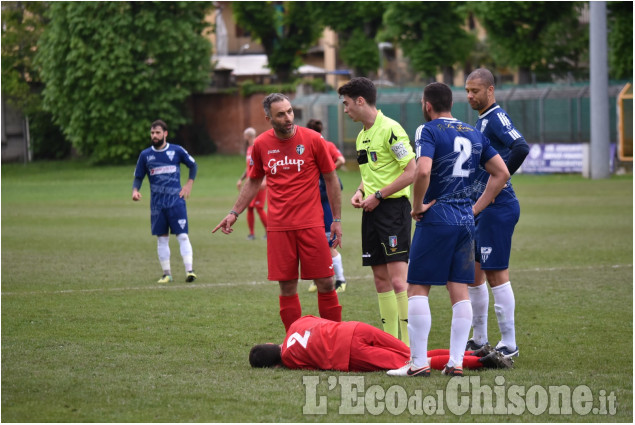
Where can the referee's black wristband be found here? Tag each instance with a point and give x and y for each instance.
(363, 194)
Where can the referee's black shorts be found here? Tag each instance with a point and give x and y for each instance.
(386, 232)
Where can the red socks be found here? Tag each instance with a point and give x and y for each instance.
(290, 310)
(329, 306)
(438, 361)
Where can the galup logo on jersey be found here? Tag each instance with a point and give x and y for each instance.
(274, 164)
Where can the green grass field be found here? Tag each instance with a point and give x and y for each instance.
(89, 336)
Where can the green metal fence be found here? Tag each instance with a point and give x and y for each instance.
(543, 114)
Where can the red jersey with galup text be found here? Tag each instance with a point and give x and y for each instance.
(316, 343)
(292, 167)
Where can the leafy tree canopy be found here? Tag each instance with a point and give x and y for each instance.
(111, 68)
(22, 25)
(356, 24)
(432, 35)
(518, 31)
(286, 31)
(620, 38)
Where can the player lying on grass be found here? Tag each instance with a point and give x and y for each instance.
(319, 344)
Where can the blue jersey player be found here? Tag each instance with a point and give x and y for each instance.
(495, 225)
(161, 162)
(448, 153)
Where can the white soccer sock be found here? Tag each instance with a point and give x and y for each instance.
(338, 267)
(479, 297)
(186, 250)
(461, 321)
(163, 249)
(504, 306)
(419, 323)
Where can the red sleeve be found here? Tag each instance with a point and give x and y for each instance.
(323, 157)
(333, 151)
(257, 170)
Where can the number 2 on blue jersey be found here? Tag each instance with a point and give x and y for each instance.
(463, 147)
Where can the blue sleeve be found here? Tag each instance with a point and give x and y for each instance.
(189, 161)
(139, 172)
(136, 184)
(519, 151)
(488, 151)
(424, 142)
(193, 170)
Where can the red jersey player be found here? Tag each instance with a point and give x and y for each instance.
(292, 159)
(259, 201)
(317, 344)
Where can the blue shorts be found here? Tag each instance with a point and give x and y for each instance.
(494, 229)
(440, 254)
(328, 220)
(172, 218)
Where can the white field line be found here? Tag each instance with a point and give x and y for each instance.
(368, 278)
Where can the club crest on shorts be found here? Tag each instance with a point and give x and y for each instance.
(392, 243)
(485, 252)
(299, 149)
(182, 223)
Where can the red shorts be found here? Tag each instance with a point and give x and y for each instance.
(373, 349)
(309, 247)
(259, 200)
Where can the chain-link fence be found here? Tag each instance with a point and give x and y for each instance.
(543, 114)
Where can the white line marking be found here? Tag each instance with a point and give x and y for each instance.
(368, 278)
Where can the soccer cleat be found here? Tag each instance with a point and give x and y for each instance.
(506, 351)
(452, 371)
(312, 287)
(473, 346)
(340, 285)
(496, 360)
(407, 370)
(483, 351)
(251, 238)
(190, 276)
(165, 279)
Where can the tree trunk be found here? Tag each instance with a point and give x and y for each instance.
(448, 75)
(524, 75)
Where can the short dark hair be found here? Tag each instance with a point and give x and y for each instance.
(315, 125)
(272, 98)
(159, 123)
(482, 74)
(360, 86)
(265, 355)
(439, 95)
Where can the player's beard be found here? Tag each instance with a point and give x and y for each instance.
(283, 130)
(477, 105)
(426, 116)
(156, 143)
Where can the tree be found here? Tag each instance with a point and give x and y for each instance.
(620, 39)
(111, 68)
(518, 31)
(432, 35)
(22, 25)
(356, 24)
(286, 30)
